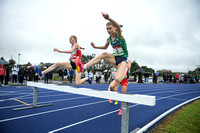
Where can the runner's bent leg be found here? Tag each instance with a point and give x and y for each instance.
(58, 64)
(121, 72)
(80, 81)
(107, 56)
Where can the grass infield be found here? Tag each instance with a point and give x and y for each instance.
(184, 120)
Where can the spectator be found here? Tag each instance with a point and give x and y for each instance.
(71, 73)
(146, 77)
(36, 77)
(65, 74)
(98, 77)
(193, 79)
(85, 73)
(15, 71)
(21, 74)
(107, 74)
(170, 78)
(50, 77)
(140, 77)
(7, 77)
(112, 74)
(2, 73)
(135, 77)
(60, 73)
(46, 78)
(185, 78)
(196, 79)
(91, 74)
(164, 76)
(27, 74)
(181, 78)
(155, 78)
(188, 78)
(31, 74)
(177, 78)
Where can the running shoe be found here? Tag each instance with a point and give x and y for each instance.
(38, 71)
(79, 64)
(110, 100)
(116, 102)
(89, 80)
(120, 112)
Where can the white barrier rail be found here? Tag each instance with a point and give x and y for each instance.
(130, 98)
(126, 98)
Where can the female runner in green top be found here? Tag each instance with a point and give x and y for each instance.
(119, 57)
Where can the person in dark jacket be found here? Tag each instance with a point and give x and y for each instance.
(155, 78)
(21, 74)
(7, 77)
(71, 73)
(146, 77)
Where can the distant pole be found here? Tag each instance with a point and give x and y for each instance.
(18, 58)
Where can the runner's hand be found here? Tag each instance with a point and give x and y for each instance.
(55, 49)
(93, 45)
(105, 15)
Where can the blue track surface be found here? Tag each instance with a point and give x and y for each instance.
(72, 113)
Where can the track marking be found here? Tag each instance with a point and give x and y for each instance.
(25, 116)
(22, 102)
(74, 124)
(77, 123)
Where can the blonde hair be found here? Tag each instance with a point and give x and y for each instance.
(74, 37)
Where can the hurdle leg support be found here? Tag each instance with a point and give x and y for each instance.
(35, 91)
(125, 118)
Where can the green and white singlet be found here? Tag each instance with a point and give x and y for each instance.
(119, 47)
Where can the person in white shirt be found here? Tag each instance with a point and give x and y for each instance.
(15, 71)
(91, 74)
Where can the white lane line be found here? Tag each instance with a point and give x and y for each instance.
(25, 116)
(74, 124)
(53, 101)
(77, 123)
(78, 106)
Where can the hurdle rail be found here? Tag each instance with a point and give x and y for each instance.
(125, 98)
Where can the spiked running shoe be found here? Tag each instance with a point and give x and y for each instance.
(110, 100)
(120, 112)
(116, 102)
(79, 65)
(89, 80)
(38, 71)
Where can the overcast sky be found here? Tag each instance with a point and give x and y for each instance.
(161, 34)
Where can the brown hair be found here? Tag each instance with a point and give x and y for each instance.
(74, 37)
(109, 23)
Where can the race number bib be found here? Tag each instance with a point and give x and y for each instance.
(117, 51)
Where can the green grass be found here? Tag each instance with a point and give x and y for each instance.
(188, 121)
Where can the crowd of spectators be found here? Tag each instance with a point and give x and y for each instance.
(19, 74)
(16, 74)
(180, 78)
(166, 77)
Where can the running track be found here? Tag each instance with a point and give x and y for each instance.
(72, 113)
